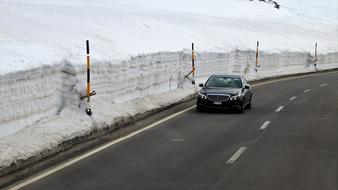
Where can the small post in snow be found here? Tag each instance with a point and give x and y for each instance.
(316, 59)
(193, 63)
(257, 51)
(316, 47)
(88, 109)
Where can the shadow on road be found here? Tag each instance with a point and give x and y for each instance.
(230, 111)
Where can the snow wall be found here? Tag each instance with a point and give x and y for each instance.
(41, 112)
(30, 96)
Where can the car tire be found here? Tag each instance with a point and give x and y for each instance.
(242, 108)
(199, 109)
(249, 104)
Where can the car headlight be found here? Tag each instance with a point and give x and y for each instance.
(203, 96)
(236, 97)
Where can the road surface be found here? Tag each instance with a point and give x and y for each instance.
(288, 140)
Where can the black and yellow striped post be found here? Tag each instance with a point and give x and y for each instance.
(193, 63)
(88, 109)
(257, 51)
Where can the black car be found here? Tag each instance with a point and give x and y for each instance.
(224, 91)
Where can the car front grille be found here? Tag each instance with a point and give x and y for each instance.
(218, 97)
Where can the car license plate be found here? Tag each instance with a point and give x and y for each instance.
(218, 103)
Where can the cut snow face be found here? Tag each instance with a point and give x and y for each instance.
(37, 32)
(31, 97)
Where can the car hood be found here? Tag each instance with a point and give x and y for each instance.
(231, 91)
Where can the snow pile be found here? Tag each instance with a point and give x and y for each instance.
(38, 32)
(29, 96)
(41, 108)
(33, 95)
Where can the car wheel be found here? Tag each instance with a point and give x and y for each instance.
(242, 108)
(249, 105)
(199, 109)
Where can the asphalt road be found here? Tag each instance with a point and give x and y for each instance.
(226, 150)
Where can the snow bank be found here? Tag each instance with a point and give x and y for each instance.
(41, 108)
(38, 32)
(29, 97)
(270, 64)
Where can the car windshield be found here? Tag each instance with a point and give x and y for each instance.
(224, 82)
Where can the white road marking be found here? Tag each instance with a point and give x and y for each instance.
(279, 108)
(293, 97)
(177, 140)
(237, 154)
(265, 125)
(307, 90)
(323, 85)
(90, 153)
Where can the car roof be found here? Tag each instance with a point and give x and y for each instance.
(239, 76)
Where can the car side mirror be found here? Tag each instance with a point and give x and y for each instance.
(247, 87)
(201, 85)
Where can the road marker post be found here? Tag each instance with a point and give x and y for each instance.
(257, 61)
(316, 59)
(316, 47)
(193, 63)
(88, 108)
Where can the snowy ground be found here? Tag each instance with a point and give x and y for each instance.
(38, 32)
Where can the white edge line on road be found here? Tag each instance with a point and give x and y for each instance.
(307, 90)
(323, 85)
(293, 97)
(279, 108)
(85, 155)
(237, 154)
(265, 125)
